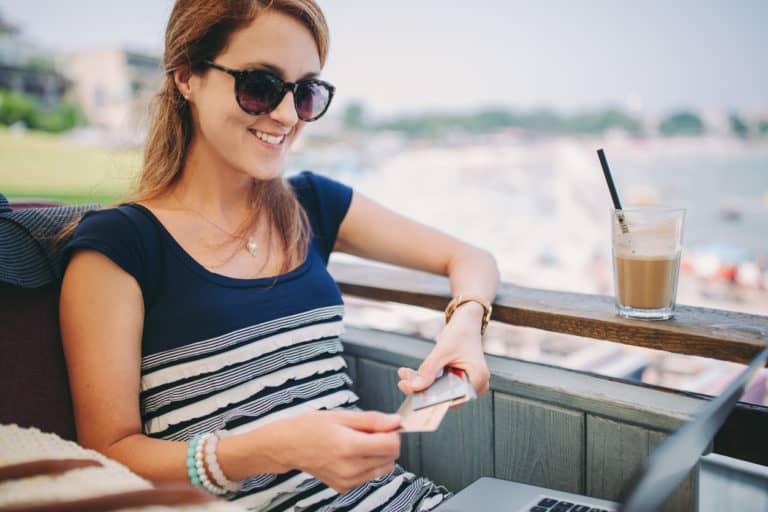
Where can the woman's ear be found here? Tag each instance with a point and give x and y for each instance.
(182, 76)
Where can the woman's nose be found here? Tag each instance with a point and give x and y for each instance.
(285, 112)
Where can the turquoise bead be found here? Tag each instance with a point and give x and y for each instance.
(194, 477)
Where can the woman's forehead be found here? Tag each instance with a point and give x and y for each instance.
(275, 39)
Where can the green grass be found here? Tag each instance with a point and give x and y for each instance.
(43, 166)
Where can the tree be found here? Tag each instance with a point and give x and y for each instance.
(354, 116)
(738, 126)
(682, 123)
(15, 107)
(602, 121)
(18, 107)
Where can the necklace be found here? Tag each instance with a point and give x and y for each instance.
(250, 244)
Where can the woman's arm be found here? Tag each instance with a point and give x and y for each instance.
(370, 230)
(102, 317)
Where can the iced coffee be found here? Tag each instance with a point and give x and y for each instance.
(646, 260)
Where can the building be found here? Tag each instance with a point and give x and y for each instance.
(114, 86)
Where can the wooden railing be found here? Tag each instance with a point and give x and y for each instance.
(714, 333)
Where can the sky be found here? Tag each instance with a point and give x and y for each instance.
(399, 56)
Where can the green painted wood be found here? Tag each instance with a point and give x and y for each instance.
(629, 402)
(686, 497)
(538, 444)
(461, 451)
(630, 416)
(616, 451)
(377, 388)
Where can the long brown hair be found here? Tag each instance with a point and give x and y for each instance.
(198, 30)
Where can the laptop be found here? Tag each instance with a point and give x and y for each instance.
(664, 469)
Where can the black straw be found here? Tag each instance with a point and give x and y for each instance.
(612, 189)
(609, 179)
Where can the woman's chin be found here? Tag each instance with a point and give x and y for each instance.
(265, 172)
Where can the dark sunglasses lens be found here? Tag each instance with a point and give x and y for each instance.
(258, 92)
(311, 100)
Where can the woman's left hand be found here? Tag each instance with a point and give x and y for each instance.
(458, 345)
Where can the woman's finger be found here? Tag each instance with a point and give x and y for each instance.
(404, 387)
(479, 378)
(406, 373)
(429, 369)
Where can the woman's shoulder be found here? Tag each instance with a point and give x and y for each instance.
(125, 222)
(321, 193)
(326, 201)
(125, 234)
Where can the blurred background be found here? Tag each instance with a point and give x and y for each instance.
(480, 120)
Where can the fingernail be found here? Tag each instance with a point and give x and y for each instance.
(418, 381)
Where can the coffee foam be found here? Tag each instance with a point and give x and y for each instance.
(646, 244)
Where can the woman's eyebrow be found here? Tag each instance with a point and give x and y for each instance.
(277, 70)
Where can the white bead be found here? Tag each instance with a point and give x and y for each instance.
(210, 487)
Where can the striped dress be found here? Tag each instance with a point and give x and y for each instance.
(234, 354)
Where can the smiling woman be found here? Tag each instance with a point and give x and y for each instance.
(200, 346)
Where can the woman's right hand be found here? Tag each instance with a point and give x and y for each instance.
(342, 449)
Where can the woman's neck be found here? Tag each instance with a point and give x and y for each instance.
(213, 189)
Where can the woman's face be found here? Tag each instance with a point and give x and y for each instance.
(273, 41)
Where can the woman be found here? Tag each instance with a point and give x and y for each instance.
(203, 304)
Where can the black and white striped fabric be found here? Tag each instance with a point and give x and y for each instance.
(281, 369)
(28, 255)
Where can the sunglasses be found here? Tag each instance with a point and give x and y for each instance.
(259, 92)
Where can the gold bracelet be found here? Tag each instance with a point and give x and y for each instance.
(463, 299)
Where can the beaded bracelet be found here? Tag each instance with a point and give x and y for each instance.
(213, 463)
(200, 464)
(194, 477)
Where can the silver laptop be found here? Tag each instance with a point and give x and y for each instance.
(664, 469)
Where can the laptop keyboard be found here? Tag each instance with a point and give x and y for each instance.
(555, 505)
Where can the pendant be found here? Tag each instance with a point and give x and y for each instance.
(251, 246)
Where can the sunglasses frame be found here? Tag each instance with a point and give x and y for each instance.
(242, 74)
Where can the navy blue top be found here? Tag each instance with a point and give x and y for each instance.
(183, 300)
(233, 354)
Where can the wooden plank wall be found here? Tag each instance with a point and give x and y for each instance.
(539, 425)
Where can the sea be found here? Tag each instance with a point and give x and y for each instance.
(725, 195)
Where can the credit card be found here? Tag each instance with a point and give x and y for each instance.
(427, 419)
(471, 394)
(451, 385)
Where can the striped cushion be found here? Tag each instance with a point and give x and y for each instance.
(29, 256)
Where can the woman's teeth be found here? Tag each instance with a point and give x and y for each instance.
(271, 139)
